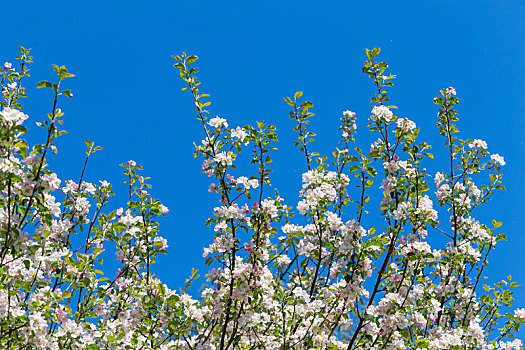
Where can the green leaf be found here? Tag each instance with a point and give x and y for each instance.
(422, 344)
(173, 299)
(67, 93)
(44, 84)
(371, 171)
(369, 54)
(191, 59)
(372, 53)
(307, 104)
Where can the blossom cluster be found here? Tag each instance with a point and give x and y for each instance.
(315, 275)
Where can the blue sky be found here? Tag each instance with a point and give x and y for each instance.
(253, 54)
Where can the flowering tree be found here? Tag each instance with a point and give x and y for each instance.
(301, 276)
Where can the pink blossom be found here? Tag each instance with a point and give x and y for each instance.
(381, 113)
(477, 143)
(498, 159)
(218, 122)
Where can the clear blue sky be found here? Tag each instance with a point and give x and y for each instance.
(252, 54)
